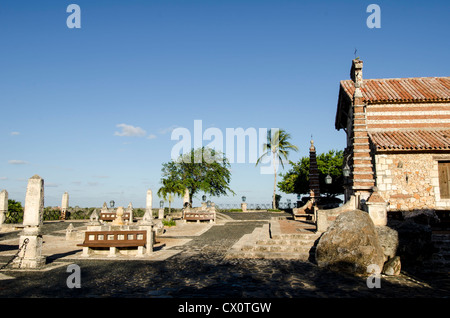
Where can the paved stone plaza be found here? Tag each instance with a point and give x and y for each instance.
(189, 261)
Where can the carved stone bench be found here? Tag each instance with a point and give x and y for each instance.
(111, 216)
(199, 216)
(113, 240)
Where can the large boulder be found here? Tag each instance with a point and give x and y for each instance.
(350, 245)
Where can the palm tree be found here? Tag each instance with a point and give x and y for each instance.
(279, 146)
(170, 186)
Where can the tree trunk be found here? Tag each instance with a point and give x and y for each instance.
(274, 182)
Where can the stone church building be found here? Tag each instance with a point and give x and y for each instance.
(398, 140)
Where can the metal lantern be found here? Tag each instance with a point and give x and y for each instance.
(328, 179)
(244, 198)
(346, 171)
(111, 203)
(298, 197)
(161, 204)
(204, 198)
(208, 204)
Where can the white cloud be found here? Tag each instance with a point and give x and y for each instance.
(151, 136)
(3, 178)
(164, 131)
(130, 131)
(17, 162)
(14, 133)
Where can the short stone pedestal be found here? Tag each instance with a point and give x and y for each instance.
(377, 209)
(161, 214)
(30, 255)
(244, 207)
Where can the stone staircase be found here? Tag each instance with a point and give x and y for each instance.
(267, 242)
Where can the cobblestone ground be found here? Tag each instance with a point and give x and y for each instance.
(201, 270)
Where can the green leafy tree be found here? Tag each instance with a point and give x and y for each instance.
(277, 146)
(202, 169)
(296, 180)
(170, 186)
(15, 212)
(14, 206)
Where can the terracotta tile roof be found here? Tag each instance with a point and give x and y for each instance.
(411, 140)
(401, 89)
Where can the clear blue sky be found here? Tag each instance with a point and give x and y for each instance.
(161, 64)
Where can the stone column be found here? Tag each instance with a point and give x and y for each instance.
(244, 207)
(3, 206)
(64, 205)
(148, 203)
(147, 224)
(30, 255)
(186, 198)
(130, 212)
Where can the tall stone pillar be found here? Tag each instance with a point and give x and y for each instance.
(148, 205)
(186, 198)
(3, 206)
(30, 255)
(64, 205)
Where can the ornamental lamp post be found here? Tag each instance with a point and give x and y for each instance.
(244, 198)
(111, 203)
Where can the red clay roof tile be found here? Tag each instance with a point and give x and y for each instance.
(411, 140)
(402, 89)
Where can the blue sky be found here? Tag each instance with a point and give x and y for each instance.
(156, 65)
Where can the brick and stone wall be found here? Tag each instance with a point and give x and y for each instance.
(409, 181)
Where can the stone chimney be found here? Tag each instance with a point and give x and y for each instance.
(362, 170)
(356, 71)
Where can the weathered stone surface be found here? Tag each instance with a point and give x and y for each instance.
(149, 200)
(34, 202)
(350, 244)
(389, 241)
(392, 267)
(3, 205)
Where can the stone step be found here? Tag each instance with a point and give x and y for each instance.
(278, 248)
(287, 241)
(269, 255)
(301, 236)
